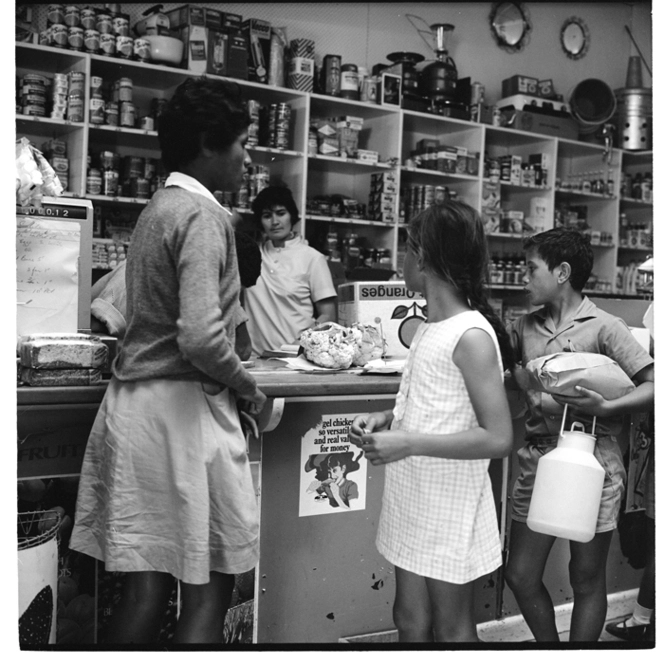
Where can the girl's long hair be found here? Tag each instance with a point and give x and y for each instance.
(450, 239)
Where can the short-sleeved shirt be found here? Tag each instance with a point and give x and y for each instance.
(589, 329)
(281, 304)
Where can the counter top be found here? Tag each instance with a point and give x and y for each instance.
(273, 378)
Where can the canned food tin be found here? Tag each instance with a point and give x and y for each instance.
(120, 26)
(93, 181)
(254, 109)
(140, 187)
(125, 87)
(133, 166)
(91, 40)
(332, 74)
(89, 18)
(110, 180)
(147, 123)
(348, 87)
(124, 47)
(106, 43)
(34, 98)
(75, 38)
(476, 93)
(72, 15)
(112, 113)
(75, 109)
(104, 24)
(59, 35)
(252, 133)
(97, 111)
(55, 14)
(46, 37)
(108, 159)
(150, 168)
(369, 89)
(36, 110)
(127, 114)
(37, 79)
(76, 82)
(96, 83)
(142, 50)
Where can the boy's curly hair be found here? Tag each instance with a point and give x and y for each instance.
(201, 112)
(564, 245)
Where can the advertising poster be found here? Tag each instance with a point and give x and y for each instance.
(333, 472)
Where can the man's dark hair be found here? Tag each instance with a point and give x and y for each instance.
(564, 245)
(201, 113)
(274, 195)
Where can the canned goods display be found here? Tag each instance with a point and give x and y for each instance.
(332, 74)
(55, 14)
(112, 113)
(96, 83)
(127, 114)
(93, 182)
(76, 82)
(110, 180)
(120, 26)
(125, 90)
(75, 38)
(89, 18)
(279, 126)
(72, 16)
(124, 47)
(142, 51)
(75, 106)
(97, 107)
(106, 43)
(91, 40)
(59, 35)
(133, 167)
(104, 24)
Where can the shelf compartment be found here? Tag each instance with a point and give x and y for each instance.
(426, 173)
(47, 60)
(348, 221)
(347, 165)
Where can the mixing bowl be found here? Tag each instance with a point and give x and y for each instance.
(165, 49)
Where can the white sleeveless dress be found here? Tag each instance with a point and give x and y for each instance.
(439, 517)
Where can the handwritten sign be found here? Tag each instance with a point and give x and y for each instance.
(47, 252)
(333, 472)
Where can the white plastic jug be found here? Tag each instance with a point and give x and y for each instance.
(568, 487)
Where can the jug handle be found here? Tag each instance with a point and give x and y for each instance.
(574, 424)
(562, 424)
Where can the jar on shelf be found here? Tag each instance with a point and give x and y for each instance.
(348, 86)
(93, 182)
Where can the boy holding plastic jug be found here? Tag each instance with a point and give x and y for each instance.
(558, 264)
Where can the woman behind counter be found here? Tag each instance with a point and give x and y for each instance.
(166, 489)
(295, 289)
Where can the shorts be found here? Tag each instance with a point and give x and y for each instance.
(607, 452)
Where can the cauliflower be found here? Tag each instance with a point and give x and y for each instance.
(337, 347)
(369, 343)
(328, 345)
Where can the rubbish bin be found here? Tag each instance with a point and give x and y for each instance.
(37, 577)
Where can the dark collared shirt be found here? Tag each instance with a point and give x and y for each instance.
(589, 329)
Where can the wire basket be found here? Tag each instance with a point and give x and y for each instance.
(35, 528)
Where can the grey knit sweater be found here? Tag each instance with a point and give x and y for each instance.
(183, 291)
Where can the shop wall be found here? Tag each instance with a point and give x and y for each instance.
(365, 32)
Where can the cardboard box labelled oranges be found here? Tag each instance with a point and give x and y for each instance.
(399, 311)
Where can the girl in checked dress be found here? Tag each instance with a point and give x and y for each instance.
(438, 524)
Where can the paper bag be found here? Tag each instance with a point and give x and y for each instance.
(560, 373)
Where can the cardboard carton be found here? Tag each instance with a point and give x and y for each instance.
(400, 311)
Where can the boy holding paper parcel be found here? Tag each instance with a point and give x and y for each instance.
(558, 264)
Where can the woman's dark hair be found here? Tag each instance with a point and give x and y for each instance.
(201, 112)
(450, 239)
(274, 195)
(564, 245)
